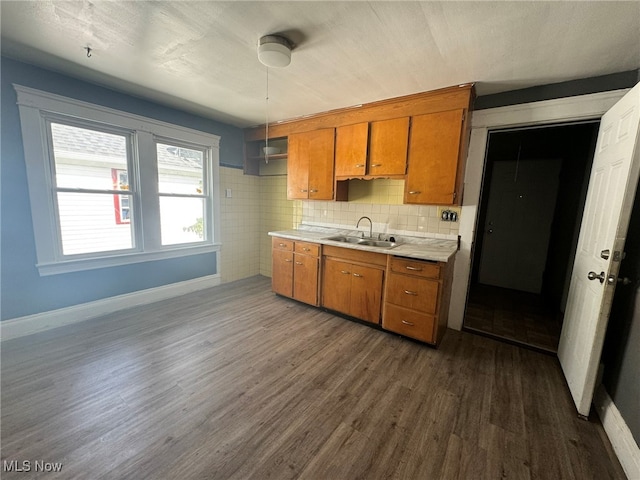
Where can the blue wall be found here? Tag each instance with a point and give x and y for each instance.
(23, 290)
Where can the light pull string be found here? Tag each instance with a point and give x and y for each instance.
(266, 128)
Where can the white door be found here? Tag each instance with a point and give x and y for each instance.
(522, 198)
(614, 178)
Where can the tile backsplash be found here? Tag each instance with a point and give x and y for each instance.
(259, 205)
(412, 220)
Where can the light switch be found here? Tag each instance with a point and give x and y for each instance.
(227, 193)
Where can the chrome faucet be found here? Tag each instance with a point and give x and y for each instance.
(370, 226)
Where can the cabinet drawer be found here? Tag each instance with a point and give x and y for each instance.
(411, 292)
(409, 323)
(282, 244)
(306, 248)
(415, 267)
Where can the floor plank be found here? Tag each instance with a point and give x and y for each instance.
(234, 382)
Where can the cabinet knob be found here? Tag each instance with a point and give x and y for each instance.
(411, 324)
(414, 192)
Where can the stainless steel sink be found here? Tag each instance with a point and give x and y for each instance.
(342, 238)
(378, 243)
(369, 242)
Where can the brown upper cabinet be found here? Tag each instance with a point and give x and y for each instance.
(372, 149)
(434, 171)
(310, 165)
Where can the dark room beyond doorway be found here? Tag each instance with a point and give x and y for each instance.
(533, 194)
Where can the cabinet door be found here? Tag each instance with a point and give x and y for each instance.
(434, 146)
(366, 293)
(413, 292)
(282, 272)
(320, 151)
(388, 147)
(305, 275)
(351, 149)
(409, 322)
(336, 285)
(298, 166)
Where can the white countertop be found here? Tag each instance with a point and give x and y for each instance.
(422, 248)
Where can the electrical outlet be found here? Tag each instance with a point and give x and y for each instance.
(449, 214)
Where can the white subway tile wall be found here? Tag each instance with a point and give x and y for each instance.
(276, 213)
(259, 205)
(240, 224)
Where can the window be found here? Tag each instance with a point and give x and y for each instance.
(121, 204)
(115, 188)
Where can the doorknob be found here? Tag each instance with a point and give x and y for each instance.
(594, 275)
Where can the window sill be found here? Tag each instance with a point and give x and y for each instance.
(68, 266)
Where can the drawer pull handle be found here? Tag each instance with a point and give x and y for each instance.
(306, 249)
(415, 192)
(357, 275)
(409, 292)
(409, 323)
(313, 191)
(359, 165)
(298, 263)
(344, 272)
(376, 164)
(282, 244)
(415, 269)
(288, 260)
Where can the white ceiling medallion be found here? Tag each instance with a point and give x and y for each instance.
(274, 51)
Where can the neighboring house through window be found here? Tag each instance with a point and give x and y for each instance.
(115, 188)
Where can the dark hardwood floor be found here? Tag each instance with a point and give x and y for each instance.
(520, 317)
(236, 383)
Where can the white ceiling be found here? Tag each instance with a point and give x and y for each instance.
(200, 56)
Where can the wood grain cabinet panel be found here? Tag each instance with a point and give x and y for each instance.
(336, 285)
(310, 167)
(388, 147)
(352, 289)
(282, 272)
(417, 298)
(375, 149)
(416, 293)
(433, 161)
(351, 150)
(295, 270)
(409, 323)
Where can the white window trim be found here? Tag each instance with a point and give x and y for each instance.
(34, 105)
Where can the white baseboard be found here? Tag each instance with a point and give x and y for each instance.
(619, 434)
(39, 322)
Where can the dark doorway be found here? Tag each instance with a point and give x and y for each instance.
(533, 194)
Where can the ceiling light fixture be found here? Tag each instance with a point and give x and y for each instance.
(273, 51)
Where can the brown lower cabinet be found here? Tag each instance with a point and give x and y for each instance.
(295, 268)
(417, 298)
(406, 296)
(352, 282)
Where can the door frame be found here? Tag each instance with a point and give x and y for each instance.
(567, 109)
